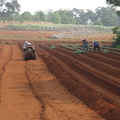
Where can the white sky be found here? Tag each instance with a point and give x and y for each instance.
(37, 5)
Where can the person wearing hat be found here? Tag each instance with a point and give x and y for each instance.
(26, 44)
(85, 45)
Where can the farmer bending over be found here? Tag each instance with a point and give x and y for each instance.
(85, 45)
(96, 45)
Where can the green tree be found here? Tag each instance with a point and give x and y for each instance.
(66, 16)
(54, 17)
(107, 16)
(90, 16)
(75, 13)
(116, 31)
(2, 4)
(9, 8)
(35, 17)
(114, 3)
(27, 16)
(39, 16)
(83, 17)
(16, 16)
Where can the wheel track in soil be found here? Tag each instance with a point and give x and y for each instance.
(4, 61)
(7, 60)
(47, 56)
(32, 88)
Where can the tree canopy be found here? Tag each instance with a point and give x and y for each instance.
(116, 30)
(8, 8)
(113, 2)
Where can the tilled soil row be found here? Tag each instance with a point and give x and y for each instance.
(90, 57)
(87, 58)
(16, 100)
(5, 57)
(111, 61)
(111, 55)
(89, 96)
(85, 69)
(57, 102)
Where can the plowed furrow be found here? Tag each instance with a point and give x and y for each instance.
(33, 89)
(5, 58)
(93, 69)
(101, 58)
(110, 55)
(106, 68)
(82, 91)
(83, 60)
(1, 50)
(87, 72)
(80, 78)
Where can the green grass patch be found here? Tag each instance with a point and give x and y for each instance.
(118, 46)
(53, 47)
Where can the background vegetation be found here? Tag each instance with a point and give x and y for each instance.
(10, 10)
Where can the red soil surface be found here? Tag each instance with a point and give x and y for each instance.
(59, 85)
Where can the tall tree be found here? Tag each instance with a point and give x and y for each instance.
(114, 3)
(83, 17)
(116, 30)
(54, 17)
(2, 2)
(80, 13)
(9, 8)
(66, 16)
(39, 16)
(27, 16)
(107, 16)
(90, 17)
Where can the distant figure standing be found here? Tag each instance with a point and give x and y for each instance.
(96, 45)
(85, 45)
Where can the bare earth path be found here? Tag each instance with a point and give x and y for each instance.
(28, 91)
(17, 101)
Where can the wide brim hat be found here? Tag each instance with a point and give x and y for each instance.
(83, 39)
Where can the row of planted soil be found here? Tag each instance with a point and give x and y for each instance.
(92, 77)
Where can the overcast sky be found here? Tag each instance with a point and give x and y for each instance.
(35, 5)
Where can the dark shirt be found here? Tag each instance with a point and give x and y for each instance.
(96, 43)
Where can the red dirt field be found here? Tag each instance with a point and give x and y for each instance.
(59, 85)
